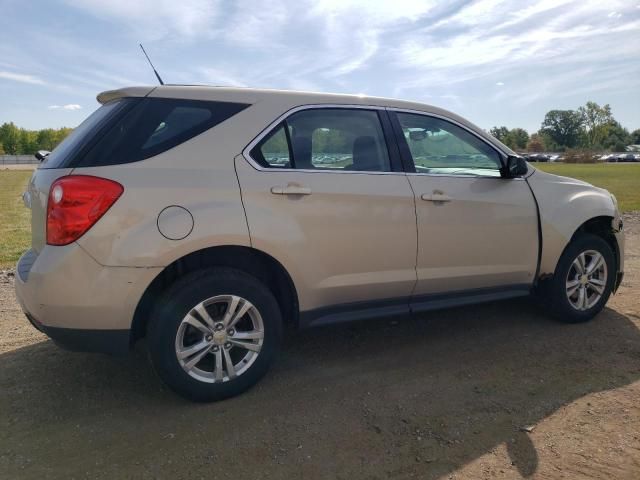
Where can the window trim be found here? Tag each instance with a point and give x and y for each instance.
(407, 158)
(389, 138)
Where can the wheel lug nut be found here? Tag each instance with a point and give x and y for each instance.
(227, 345)
(231, 331)
(219, 326)
(209, 337)
(215, 348)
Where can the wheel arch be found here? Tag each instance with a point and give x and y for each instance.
(247, 259)
(600, 226)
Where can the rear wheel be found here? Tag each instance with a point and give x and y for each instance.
(583, 280)
(215, 334)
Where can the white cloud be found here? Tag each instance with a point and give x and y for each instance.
(305, 40)
(69, 106)
(464, 54)
(155, 18)
(533, 37)
(20, 77)
(221, 77)
(352, 30)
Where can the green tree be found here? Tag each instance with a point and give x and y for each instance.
(635, 137)
(19, 141)
(549, 143)
(61, 134)
(47, 139)
(28, 142)
(10, 138)
(500, 133)
(536, 143)
(565, 127)
(517, 139)
(1, 149)
(617, 137)
(597, 121)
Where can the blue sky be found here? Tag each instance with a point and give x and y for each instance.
(494, 62)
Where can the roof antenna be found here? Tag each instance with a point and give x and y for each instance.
(154, 68)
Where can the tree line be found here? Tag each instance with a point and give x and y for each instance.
(589, 127)
(20, 141)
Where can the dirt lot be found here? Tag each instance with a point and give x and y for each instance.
(451, 394)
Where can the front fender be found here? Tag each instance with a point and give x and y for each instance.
(565, 204)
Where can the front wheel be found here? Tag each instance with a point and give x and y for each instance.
(583, 280)
(215, 334)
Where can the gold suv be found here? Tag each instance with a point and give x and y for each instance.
(205, 219)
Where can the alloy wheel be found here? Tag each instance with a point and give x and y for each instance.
(587, 280)
(219, 338)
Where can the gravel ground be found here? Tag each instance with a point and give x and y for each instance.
(490, 391)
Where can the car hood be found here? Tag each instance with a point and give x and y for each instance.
(559, 180)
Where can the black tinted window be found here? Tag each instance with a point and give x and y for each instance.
(153, 126)
(82, 135)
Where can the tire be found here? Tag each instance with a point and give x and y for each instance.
(568, 307)
(178, 327)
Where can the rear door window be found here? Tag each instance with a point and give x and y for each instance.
(339, 139)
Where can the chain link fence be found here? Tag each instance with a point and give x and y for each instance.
(18, 160)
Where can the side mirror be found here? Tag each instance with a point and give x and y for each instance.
(41, 154)
(516, 167)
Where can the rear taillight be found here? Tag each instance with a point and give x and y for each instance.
(75, 203)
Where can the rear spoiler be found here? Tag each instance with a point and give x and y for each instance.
(109, 95)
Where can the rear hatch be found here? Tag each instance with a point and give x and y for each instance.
(61, 161)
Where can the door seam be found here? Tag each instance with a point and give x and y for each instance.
(244, 209)
(415, 263)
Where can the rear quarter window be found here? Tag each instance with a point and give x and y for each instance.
(153, 126)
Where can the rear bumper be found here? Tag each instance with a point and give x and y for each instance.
(112, 342)
(77, 302)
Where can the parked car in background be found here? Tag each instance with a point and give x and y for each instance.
(627, 157)
(538, 157)
(206, 219)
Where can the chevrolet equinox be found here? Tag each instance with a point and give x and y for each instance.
(207, 219)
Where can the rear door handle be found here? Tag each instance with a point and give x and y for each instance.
(291, 190)
(436, 197)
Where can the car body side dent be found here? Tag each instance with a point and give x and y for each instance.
(565, 204)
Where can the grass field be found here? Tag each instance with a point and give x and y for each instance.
(622, 180)
(15, 234)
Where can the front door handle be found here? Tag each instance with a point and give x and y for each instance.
(436, 197)
(291, 190)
